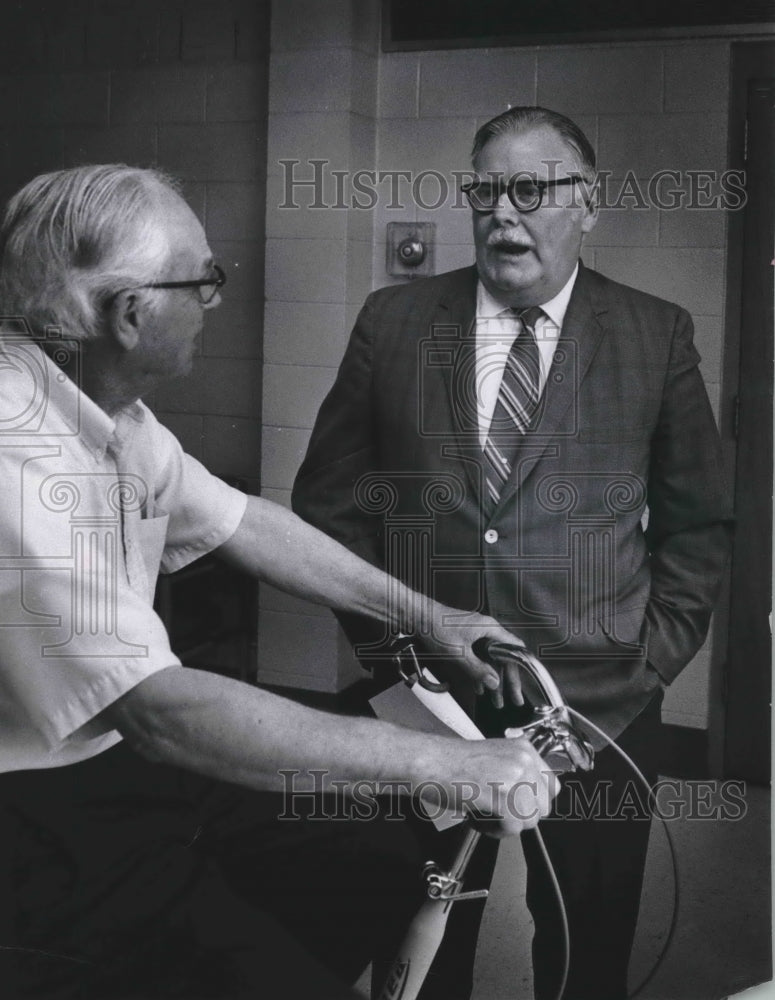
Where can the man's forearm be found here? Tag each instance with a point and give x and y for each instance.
(277, 546)
(233, 732)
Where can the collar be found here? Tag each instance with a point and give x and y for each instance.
(555, 308)
(71, 407)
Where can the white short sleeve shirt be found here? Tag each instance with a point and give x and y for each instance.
(93, 508)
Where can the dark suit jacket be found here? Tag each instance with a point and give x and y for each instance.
(624, 432)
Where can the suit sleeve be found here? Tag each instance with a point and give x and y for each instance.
(344, 446)
(690, 513)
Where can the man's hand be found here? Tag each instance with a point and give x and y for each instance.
(463, 643)
(503, 785)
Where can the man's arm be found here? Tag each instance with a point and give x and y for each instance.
(233, 732)
(275, 545)
(690, 513)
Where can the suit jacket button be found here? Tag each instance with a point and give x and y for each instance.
(491, 536)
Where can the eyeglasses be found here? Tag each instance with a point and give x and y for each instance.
(207, 287)
(525, 193)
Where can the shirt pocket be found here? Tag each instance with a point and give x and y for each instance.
(152, 532)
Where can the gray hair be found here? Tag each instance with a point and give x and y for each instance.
(521, 119)
(70, 240)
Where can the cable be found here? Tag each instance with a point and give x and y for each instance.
(673, 859)
(563, 913)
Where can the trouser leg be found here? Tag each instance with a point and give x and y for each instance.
(124, 891)
(597, 839)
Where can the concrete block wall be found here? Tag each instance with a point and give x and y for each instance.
(646, 106)
(322, 105)
(180, 85)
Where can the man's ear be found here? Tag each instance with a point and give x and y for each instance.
(591, 193)
(125, 318)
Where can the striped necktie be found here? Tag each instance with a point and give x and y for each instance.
(518, 398)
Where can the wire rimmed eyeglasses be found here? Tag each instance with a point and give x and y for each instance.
(526, 194)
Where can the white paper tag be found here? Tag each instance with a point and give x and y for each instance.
(429, 712)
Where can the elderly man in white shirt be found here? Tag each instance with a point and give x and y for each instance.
(125, 850)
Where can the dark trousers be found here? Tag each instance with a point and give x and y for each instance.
(132, 881)
(597, 839)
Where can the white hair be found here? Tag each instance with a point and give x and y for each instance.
(72, 239)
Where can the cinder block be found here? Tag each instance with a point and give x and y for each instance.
(366, 24)
(600, 80)
(308, 24)
(697, 76)
(692, 278)
(290, 213)
(308, 81)
(235, 211)
(476, 81)
(358, 274)
(444, 144)
(304, 333)
(293, 394)
(364, 80)
(55, 99)
(233, 331)
(237, 93)
(693, 227)
(297, 650)
(304, 137)
(450, 256)
(626, 227)
(219, 386)
(132, 144)
(188, 429)
(176, 94)
(399, 85)
(208, 33)
(282, 452)
(252, 27)
(243, 263)
(218, 151)
(111, 36)
(452, 220)
(644, 144)
(305, 270)
(232, 446)
(195, 193)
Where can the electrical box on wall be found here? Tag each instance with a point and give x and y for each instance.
(410, 249)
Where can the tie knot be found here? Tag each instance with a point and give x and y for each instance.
(529, 317)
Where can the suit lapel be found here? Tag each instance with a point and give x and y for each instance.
(454, 325)
(581, 335)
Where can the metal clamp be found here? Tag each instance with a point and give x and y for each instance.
(444, 886)
(409, 667)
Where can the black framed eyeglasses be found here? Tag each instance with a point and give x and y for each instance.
(526, 194)
(207, 287)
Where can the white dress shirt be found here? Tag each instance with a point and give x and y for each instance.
(496, 330)
(92, 509)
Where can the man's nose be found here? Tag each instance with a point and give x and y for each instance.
(214, 302)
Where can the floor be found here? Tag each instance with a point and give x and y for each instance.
(722, 940)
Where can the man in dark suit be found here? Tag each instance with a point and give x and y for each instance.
(558, 468)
